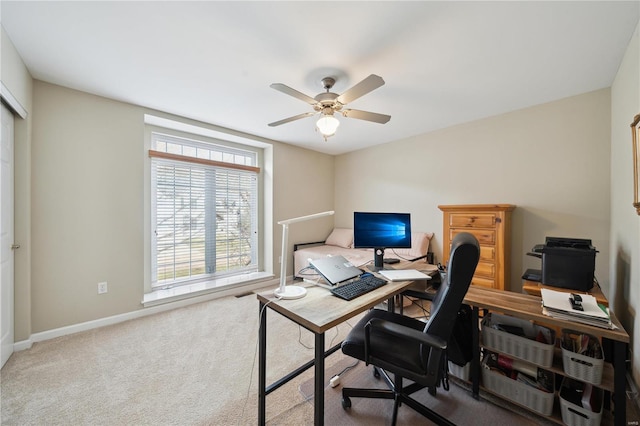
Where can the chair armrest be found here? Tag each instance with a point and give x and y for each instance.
(299, 245)
(402, 332)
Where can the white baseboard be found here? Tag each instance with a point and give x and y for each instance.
(115, 319)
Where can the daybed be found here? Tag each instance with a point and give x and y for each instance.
(340, 242)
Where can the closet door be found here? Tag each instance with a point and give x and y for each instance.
(6, 235)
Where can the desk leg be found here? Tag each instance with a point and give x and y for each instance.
(619, 383)
(391, 304)
(262, 364)
(475, 361)
(318, 407)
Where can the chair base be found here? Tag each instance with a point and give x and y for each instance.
(398, 393)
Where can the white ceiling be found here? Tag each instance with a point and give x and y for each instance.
(444, 63)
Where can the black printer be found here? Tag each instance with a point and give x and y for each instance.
(566, 262)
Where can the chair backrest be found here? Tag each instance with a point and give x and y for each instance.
(465, 252)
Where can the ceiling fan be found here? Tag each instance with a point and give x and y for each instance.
(328, 103)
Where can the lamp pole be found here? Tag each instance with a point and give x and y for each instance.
(285, 291)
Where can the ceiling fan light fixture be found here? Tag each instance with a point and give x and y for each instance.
(327, 125)
(328, 103)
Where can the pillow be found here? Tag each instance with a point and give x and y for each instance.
(341, 237)
(419, 246)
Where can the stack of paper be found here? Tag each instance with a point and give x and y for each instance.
(403, 274)
(556, 304)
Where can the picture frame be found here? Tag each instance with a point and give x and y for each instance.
(635, 139)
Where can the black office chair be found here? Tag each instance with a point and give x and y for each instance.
(409, 348)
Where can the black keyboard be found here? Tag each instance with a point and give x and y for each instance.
(359, 287)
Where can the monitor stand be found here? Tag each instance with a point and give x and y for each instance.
(378, 260)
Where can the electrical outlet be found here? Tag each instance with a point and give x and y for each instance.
(102, 287)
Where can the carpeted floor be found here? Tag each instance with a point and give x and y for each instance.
(193, 365)
(197, 366)
(457, 404)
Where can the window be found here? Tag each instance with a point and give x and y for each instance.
(204, 205)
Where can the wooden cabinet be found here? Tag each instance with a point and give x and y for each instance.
(491, 225)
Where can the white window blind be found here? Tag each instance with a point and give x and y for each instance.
(204, 206)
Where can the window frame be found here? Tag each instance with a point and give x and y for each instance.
(190, 139)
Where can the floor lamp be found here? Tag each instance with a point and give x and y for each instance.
(292, 291)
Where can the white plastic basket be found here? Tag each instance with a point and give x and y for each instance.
(582, 367)
(574, 415)
(535, 399)
(461, 372)
(525, 348)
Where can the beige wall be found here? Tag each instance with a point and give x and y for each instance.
(13, 71)
(88, 217)
(303, 185)
(624, 256)
(87, 188)
(16, 78)
(551, 160)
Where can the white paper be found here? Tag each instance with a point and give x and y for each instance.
(558, 300)
(403, 274)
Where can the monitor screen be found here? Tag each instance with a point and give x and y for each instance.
(380, 231)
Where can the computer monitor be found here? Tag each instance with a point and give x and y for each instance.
(380, 231)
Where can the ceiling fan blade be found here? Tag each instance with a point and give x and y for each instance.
(365, 86)
(366, 115)
(293, 92)
(294, 118)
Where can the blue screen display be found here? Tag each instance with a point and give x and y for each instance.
(381, 230)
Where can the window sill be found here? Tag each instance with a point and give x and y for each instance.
(223, 286)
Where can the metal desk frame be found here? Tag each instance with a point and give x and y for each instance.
(318, 312)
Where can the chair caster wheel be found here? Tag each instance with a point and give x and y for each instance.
(346, 402)
(376, 373)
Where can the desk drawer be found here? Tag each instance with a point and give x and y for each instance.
(474, 220)
(484, 236)
(486, 270)
(488, 253)
(483, 282)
